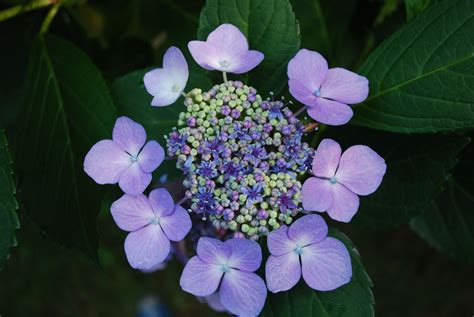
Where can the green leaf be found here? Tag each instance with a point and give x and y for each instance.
(67, 108)
(414, 7)
(351, 300)
(8, 205)
(421, 77)
(270, 27)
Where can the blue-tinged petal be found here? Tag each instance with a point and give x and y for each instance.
(132, 212)
(309, 68)
(213, 251)
(177, 224)
(344, 203)
(199, 278)
(133, 180)
(161, 202)
(316, 194)
(308, 229)
(151, 156)
(282, 272)
(279, 243)
(245, 255)
(129, 135)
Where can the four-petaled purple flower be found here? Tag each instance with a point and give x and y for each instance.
(326, 92)
(167, 84)
(325, 261)
(227, 268)
(152, 223)
(125, 159)
(254, 194)
(227, 50)
(207, 170)
(340, 178)
(275, 111)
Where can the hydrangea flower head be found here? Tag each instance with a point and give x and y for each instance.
(326, 92)
(227, 50)
(227, 268)
(152, 223)
(167, 84)
(340, 178)
(126, 159)
(325, 261)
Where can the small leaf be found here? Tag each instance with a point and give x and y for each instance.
(421, 77)
(414, 7)
(8, 205)
(351, 300)
(270, 27)
(67, 108)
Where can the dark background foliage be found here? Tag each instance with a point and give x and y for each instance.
(61, 91)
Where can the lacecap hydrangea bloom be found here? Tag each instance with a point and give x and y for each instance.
(248, 175)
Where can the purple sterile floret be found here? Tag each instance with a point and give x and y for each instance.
(126, 159)
(326, 92)
(167, 84)
(152, 223)
(325, 261)
(226, 49)
(339, 179)
(227, 268)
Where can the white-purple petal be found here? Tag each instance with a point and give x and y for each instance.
(129, 135)
(243, 293)
(132, 212)
(316, 194)
(214, 302)
(175, 63)
(282, 272)
(301, 93)
(344, 86)
(361, 169)
(279, 243)
(105, 162)
(204, 54)
(147, 247)
(308, 229)
(330, 112)
(245, 62)
(176, 225)
(228, 39)
(309, 68)
(133, 180)
(213, 251)
(344, 203)
(151, 156)
(199, 278)
(161, 202)
(326, 265)
(326, 159)
(245, 255)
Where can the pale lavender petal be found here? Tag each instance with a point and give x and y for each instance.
(105, 162)
(308, 229)
(204, 54)
(245, 255)
(345, 203)
(146, 247)
(326, 265)
(282, 272)
(345, 86)
(361, 169)
(243, 293)
(133, 181)
(330, 112)
(175, 63)
(130, 135)
(309, 68)
(176, 225)
(132, 212)
(301, 93)
(316, 194)
(214, 302)
(165, 99)
(161, 202)
(199, 278)
(213, 251)
(279, 243)
(244, 62)
(160, 266)
(326, 159)
(228, 39)
(160, 83)
(151, 156)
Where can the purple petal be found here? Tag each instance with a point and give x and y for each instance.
(326, 159)
(244, 62)
(214, 302)
(326, 265)
(175, 63)
(243, 293)
(160, 266)
(105, 162)
(133, 181)
(308, 229)
(199, 278)
(345, 86)
(309, 68)
(132, 212)
(282, 272)
(316, 194)
(159, 83)
(146, 247)
(204, 54)
(176, 225)
(228, 39)
(279, 243)
(301, 93)
(161, 202)
(151, 156)
(213, 251)
(130, 135)
(330, 112)
(361, 169)
(245, 255)
(344, 203)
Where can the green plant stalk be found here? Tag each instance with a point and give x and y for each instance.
(49, 18)
(19, 9)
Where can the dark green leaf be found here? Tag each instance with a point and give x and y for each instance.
(352, 300)
(413, 7)
(67, 108)
(421, 77)
(270, 27)
(8, 205)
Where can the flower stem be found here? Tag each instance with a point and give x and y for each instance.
(169, 158)
(184, 94)
(19, 9)
(182, 200)
(224, 75)
(300, 110)
(49, 18)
